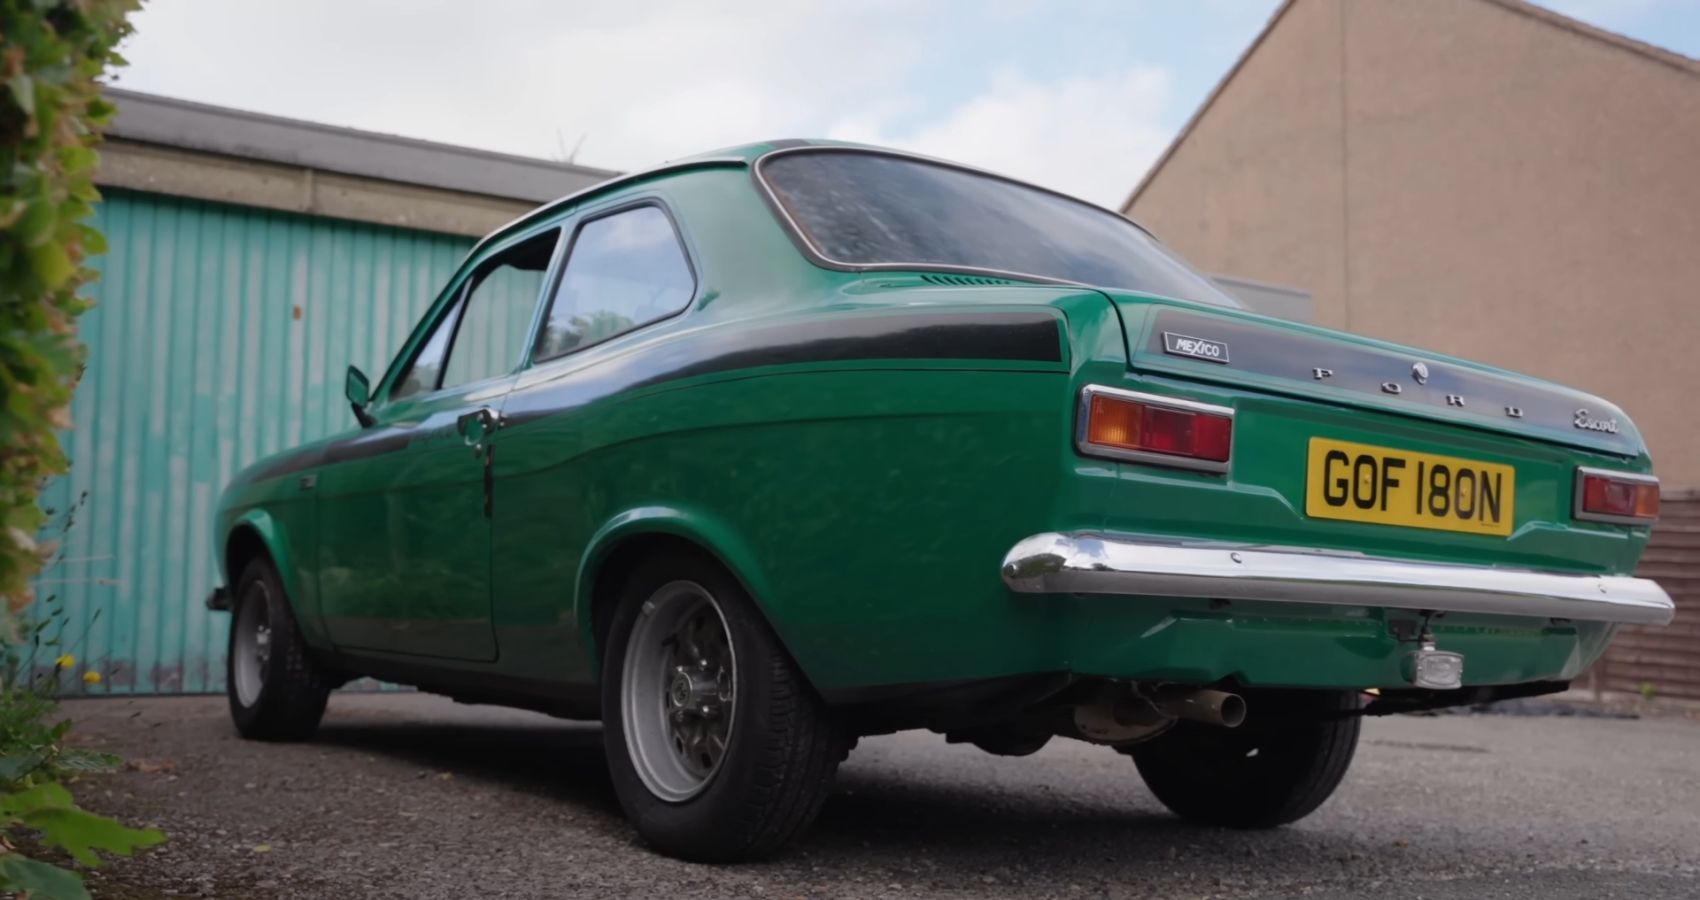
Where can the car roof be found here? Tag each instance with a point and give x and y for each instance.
(746, 155)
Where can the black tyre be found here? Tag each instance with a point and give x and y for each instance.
(277, 692)
(718, 748)
(1277, 767)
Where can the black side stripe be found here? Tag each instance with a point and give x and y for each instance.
(994, 336)
(1029, 335)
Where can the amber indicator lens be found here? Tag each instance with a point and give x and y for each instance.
(1120, 424)
(1603, 495)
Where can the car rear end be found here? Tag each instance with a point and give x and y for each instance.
(1298, 507)
(1222, 529)
(1241, 500)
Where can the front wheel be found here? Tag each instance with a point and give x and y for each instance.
(277, 691)
(1277, 767)
(718, 749)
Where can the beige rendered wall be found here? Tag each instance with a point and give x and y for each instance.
(1489, 184)
(1254, 190)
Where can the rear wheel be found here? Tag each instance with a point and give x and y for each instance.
(718, 749)
(1277, 767)
(277, 692)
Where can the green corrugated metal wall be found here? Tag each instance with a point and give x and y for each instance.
(221, 336)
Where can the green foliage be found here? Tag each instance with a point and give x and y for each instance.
(34, 760)
(51, 54)
(48, 808)
(34, 878)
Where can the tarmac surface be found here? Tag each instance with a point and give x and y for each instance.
(411, 796)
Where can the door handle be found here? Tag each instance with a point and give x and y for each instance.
(476, 427)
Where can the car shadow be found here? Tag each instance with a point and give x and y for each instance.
(878, 817)
(875, 816)
(562, 761)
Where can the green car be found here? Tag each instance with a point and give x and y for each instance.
(765, 450)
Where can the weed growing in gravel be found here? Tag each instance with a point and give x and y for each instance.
(35, 766)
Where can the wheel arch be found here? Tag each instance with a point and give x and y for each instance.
(255, 534)
(636, 533)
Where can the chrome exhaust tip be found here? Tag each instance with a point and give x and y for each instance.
(1211, 707)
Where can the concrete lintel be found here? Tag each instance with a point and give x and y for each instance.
(183, 125)
(270, 185)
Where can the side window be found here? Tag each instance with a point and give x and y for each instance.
(496, 314)
(627, 269)
(426, 370)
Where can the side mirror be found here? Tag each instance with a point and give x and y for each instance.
(359, 393)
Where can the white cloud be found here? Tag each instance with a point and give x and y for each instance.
(1092, 137)
(644, 82)
(641, 82)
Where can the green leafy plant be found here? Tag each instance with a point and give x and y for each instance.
(34, 764)
(52, 53)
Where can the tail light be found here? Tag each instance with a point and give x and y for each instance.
(1626, 498)
(1147, 428)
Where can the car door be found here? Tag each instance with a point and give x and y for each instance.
(405, 506)
(626, 269)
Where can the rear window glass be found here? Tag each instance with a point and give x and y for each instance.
(859, 208)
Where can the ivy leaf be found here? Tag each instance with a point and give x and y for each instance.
(37, 224)
(11, 210)
(77, 159)
(51, 264)
(39, 880)
(94, 243)
(100, 109)
(23, 93)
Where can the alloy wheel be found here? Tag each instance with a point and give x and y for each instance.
(678, 691)
(253, 644)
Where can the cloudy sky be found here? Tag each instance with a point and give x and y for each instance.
(1081, 95)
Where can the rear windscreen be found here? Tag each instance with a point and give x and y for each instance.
(859, 208)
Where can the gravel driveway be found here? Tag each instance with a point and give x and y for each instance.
(411, 796)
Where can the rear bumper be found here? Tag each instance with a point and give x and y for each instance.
(1079, 563)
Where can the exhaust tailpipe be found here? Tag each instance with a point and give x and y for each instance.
(1211, 707)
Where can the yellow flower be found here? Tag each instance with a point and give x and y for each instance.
(65, 662)
(91, 677)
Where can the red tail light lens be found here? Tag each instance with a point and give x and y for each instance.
(1161, 430)
(1622, 497)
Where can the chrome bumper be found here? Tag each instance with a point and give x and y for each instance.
(1094, 564)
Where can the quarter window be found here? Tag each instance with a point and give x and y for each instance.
(427, 366)
(625, 270)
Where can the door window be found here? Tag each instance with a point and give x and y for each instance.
(484, 330)
(498, 311)
(625, 270)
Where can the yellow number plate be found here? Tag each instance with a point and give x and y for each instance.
(1361, 483)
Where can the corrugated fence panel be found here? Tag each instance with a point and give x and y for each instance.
(1664, 660)
(220, 336)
